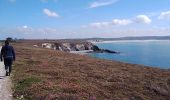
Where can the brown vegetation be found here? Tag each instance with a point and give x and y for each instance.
(44, 74)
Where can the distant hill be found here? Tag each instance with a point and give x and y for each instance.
(78, 40)
(134, 38)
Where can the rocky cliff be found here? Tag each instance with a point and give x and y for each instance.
(78, 46)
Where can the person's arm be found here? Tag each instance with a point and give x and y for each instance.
(13, 52)
(1, 54)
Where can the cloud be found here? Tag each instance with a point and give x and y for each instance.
(100, 24)
(140, 19)
(50, 13)
(25, 29)
(121, 22)
(25, 26)
(114, 22)
(52, 33)
(31, 30)
(143, 19)
(164, 15)
(100, 3)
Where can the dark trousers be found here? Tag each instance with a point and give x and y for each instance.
(8, 63)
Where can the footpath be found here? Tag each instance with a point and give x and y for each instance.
(5, 84)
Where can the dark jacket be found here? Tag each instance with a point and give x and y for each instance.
(7, 51)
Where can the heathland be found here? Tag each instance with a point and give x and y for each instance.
(45, 74)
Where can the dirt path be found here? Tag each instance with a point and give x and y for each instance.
(5, 84)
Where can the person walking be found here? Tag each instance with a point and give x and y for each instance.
(8, 55)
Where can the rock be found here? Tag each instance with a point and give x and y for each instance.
(58, 46)
(82, 46)
(95, 48)
(73, 47)
(157, 89)
(35, 45)
(47, 45)
(109, 51)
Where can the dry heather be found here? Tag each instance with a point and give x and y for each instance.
(44, 74)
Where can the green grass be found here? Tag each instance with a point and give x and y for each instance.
(22, 86)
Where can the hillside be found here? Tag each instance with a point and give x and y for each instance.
(45, 74)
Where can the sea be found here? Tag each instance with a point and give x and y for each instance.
(155, 53)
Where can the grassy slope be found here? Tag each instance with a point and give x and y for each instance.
(47, 74)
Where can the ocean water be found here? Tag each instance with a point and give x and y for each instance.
(155, 53)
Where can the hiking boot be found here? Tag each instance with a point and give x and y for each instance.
(6, 73)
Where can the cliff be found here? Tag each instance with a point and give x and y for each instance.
(76, 46)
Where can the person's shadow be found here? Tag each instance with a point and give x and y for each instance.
(2, 77)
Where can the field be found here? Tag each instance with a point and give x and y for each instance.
(44, 74)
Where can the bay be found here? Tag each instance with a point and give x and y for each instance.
(155, 53)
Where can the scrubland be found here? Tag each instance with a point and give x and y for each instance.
(44, 74)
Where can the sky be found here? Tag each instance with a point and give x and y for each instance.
(61, 19)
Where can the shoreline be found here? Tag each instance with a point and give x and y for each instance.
(83, 52)
(116, 41)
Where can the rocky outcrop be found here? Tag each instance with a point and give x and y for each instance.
(82, 46)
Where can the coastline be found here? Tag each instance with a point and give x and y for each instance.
(118, 41)
(83, 52)
(61, 74)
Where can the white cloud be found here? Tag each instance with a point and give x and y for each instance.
(52, 33)
(140, 19)
(25, 26)
(121, 22)
(114, 22)
(50, 13)
(143, 19)
(100, 24)
(164, 15)
(100, 3)
(30, 30)
(25, 29)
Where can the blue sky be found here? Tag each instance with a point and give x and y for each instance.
(53, 19)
